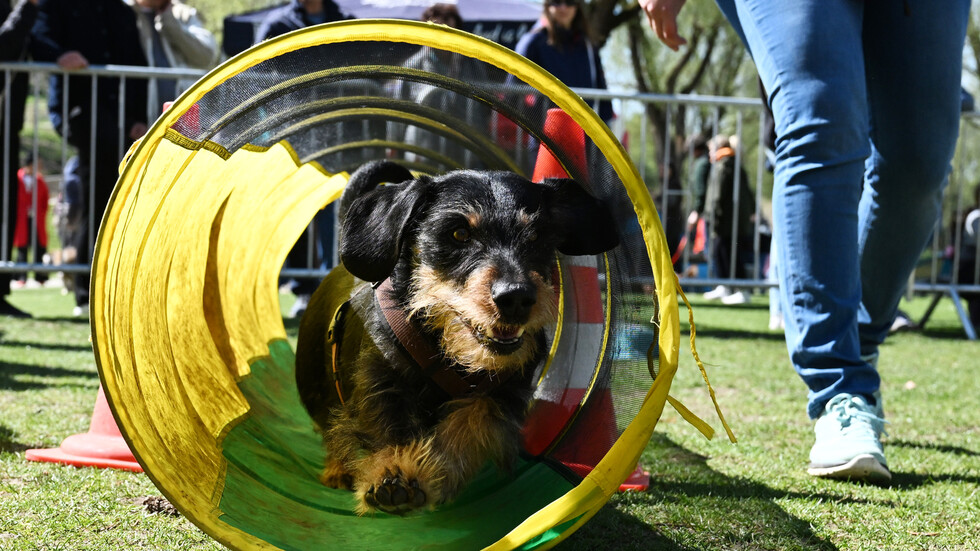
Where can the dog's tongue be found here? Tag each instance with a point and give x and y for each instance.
(507, 333)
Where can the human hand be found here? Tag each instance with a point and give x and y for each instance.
(662, 16)
(158, 6)
(692, 218)
(72, 60)
(137, 130)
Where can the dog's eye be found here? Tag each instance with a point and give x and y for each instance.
(461, 234)
(532, 236)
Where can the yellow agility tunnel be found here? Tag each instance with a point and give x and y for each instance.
(192, 351)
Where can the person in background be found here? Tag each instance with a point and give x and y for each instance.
(451, 65)
(32, 216)
(866, 102)
(173, 36)
(561, 43)
(75, 34)
(700, 171)
(668, 199)
(296, 15)
(967, 267)
(728, 219)
(69, 217)
(14, 36)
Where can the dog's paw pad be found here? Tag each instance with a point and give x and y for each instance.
(395, 494)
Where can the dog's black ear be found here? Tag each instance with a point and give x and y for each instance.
(369, 176)
(586, 223)
(376, 221)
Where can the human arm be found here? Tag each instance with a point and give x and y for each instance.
(699, 187)
(16, 28)
(527, 45)
(136, 130)
(183, 30)
(46, 36)
(277, 22)
(42, 195)
(662, 16)
(48, 31)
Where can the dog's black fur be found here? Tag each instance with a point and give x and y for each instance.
(470, 256)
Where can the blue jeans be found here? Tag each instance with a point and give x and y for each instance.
(866, 97)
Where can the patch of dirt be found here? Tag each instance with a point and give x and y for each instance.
(155, 505)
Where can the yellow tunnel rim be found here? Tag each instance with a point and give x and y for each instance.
(421, 34)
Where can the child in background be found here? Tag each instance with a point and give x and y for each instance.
(31, 215)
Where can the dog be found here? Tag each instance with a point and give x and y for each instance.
(415, 357)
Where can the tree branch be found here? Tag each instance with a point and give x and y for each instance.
(702, 68)
(670, 84)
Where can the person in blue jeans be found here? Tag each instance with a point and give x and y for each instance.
(866, 100)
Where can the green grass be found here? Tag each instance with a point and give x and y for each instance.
(704, 494)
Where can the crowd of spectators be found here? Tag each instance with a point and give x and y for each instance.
(14, 38)
(75, 34)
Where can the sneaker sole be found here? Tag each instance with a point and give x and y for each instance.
(863, 468)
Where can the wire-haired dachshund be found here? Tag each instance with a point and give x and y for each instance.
(418, 369)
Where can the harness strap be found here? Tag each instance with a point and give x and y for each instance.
(427, 355)
(335, 334)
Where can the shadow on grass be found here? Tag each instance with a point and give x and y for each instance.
(762, 333)
(942, 333)
(701, 306)
(691, 506)
(955, 450)
(50, 346)
(911, 481)
(290, 324)
(613, 529)
(79, 320)
(7, 443)
(8, 372)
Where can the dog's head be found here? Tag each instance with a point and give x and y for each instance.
(475, 251)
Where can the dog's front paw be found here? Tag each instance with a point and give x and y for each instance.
(395, 494)
(335, 475)
(398, 481)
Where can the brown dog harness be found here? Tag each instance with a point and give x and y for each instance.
(454, 381)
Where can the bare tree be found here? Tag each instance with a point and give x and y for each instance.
(708, 64)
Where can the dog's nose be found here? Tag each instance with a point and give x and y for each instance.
(514, 300)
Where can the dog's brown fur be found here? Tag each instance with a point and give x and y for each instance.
(450, 309)
(469, 256)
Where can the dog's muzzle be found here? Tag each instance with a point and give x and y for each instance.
(500, 339)
(514, 301)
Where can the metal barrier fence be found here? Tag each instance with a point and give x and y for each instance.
(948, 267)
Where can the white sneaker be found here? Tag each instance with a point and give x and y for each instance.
(902, 322)
(738, 297)
(80, 311)
(718, 292)
(299, 306)
(54, 282)
(848, 441)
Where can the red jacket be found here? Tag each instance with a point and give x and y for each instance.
(22, 234)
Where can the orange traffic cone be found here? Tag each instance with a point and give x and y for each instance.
(595, 429)
(560, 127)
(102, 446)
